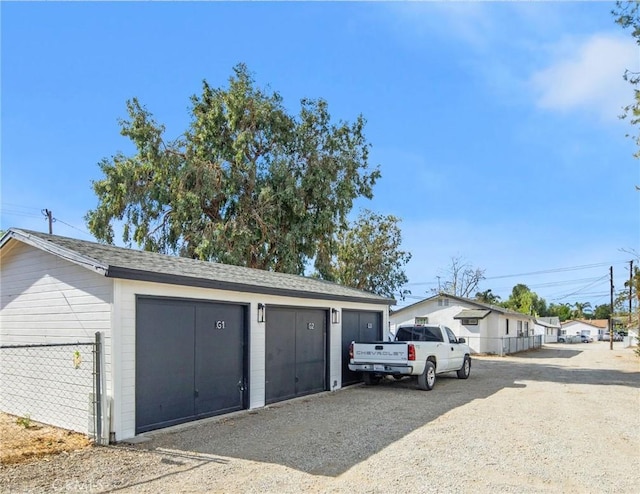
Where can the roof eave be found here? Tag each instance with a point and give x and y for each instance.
(54, 249)
(172, 279)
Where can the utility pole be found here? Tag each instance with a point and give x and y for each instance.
(630, 289)
(49, 215)
(611, 315)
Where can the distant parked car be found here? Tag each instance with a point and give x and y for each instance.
(585, 339)
(562, 339)
(617, 337)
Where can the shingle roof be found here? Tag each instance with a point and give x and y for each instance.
(494, 308)
(596, 323)
(473, 314)
(119, 262)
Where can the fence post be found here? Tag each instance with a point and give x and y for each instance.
(97, 375)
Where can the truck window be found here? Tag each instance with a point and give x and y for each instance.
(452, 337)
(404, 334)
(423, 333)
(433, 333)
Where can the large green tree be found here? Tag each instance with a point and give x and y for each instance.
(369, 256)
(522, 299)
(602, 311)
(247, 183)
(562, 311)
(582, 310)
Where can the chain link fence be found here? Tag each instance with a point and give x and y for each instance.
(504, 345)
(56, 384)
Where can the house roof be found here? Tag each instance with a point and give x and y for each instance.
(119, 262)
(475, 303)
(547, 324)
(473, 314)
(596, 323)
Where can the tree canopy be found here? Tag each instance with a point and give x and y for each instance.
(369, 255)
(248, 183)
(522, 299)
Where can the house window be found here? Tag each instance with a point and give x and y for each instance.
(469, 322)
(519, 328)
(421, 321)
(443, 302)
(507, 327)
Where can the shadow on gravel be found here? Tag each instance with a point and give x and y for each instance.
(329, 433)
(549, 352)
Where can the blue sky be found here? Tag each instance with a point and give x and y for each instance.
(494, 124)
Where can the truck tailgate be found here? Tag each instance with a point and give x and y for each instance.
(387, 352)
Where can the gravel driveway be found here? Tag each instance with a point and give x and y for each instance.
(560, 419)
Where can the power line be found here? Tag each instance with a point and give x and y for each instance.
(74, 227)
(534, 273)
(556, 270)
(583, 288)
(19, 206)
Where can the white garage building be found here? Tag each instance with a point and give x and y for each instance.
(182, 339)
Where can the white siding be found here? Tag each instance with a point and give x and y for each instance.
(124, 340)
(487, 337)
(48, 300)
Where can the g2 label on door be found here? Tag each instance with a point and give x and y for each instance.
(220, 325)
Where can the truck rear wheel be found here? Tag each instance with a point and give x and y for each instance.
(465, 370)
(370, 379)
(427, 379)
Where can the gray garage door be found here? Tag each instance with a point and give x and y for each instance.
(190, 361)
(296, 352)
(357, 326)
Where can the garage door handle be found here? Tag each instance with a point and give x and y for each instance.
(196, 393)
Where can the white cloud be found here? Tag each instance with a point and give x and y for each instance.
(587, 75)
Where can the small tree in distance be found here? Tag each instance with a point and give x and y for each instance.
(461, 279)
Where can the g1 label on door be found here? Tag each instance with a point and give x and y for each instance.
(220, 325)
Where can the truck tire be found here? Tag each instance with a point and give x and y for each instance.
(370, 379)
(427, 379)
(465, 370)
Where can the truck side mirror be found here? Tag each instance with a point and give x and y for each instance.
(461, 340)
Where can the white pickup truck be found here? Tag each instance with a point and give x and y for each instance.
(422, 351)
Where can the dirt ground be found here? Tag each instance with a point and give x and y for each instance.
(24, 440)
